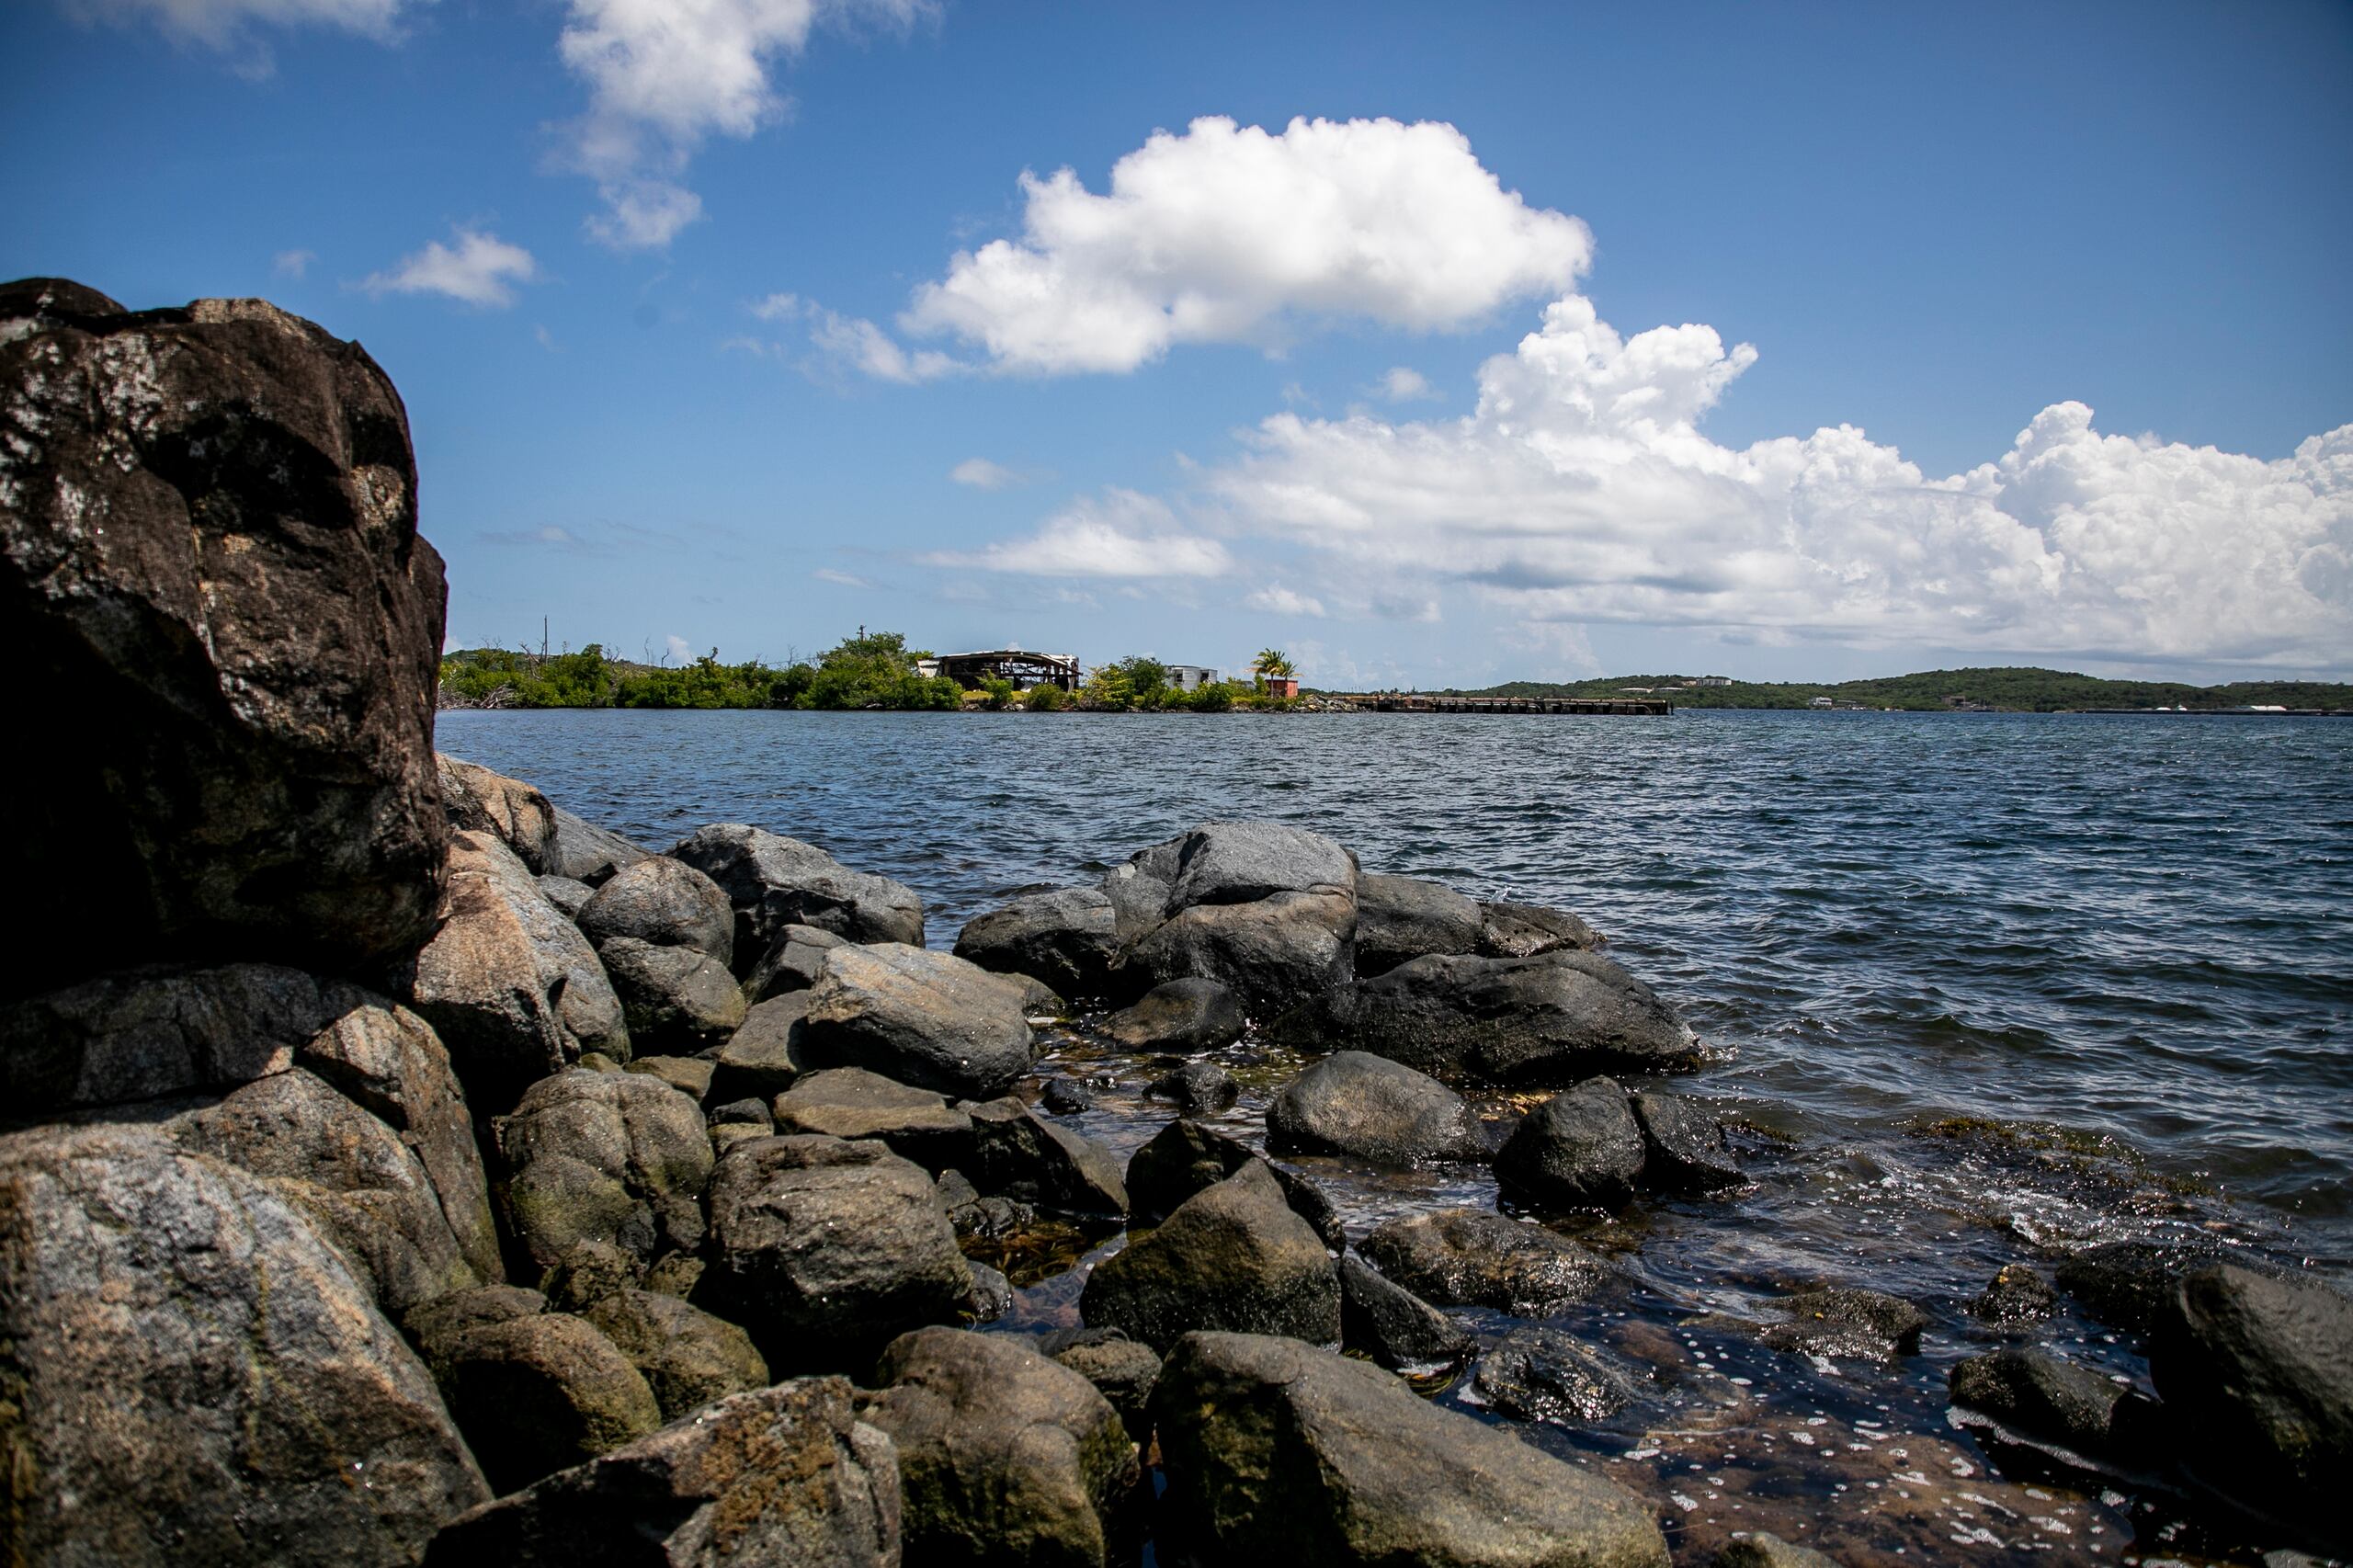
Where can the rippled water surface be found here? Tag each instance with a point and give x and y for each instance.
(2123, 943)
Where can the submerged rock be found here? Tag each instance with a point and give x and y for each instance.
(1278, 1452)
(1067, 938)
(1179, 1018)
(774, 881)
(922, 1017)
(1848, 1321)
(786, 1475)
(1233, 1256)
(1579, 1148)
(2027, 1394)
(1393, 1325)
(1475, 1258)
(2126, 1285)
(1549, 1020)
(1763, 1551)
(2016, 1294)
(1004, 1456)
(1376, 1109)
(1537, 1373)
(1197, 1087)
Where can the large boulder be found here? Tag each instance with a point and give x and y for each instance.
(665, 901)
(850, 1103)
(1403, 917)
(195, 1377)
(1683, 1147)
(1278, 955)
(762, 1058)
(512, 987)
(1524, 931)
(2258, 1376)
(1242, 862)
(1068, 938)
(1185, 1158)
(476, 800)
(785, 1475)
(1473, 1257)
(825, 1250)
(794, 962)
(1276, 1451)
(225, 633)
(541, 1393)
(1019, 1154)
(1545, 1021)
(1233, 1256)
(1372, 1108)
(1580, 1149)
(774, 881)
(1179, 1018)
(675, 998)
(926, 1019)
(586, 853)
(688, 1357)
(1004, 1455)
(617, 1157)
(2012, 1397)
(1395, 1327)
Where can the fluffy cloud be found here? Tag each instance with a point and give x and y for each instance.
(481, 269)
(1581, 490)
(663, 75)
(1230, 234)
(1405, 384)
(1122, 534)
(1275, 599)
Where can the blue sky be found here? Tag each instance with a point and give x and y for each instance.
(1437, 345)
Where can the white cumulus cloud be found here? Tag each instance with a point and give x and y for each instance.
(680, 648)
(1275, 599)
(1121, 534)
(479, 268)
(1231, 234)
(1405, 384)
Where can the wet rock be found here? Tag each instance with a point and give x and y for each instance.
(762, 1058)
(825, 1249)
(1376, 1109)
(567, 895)
(479, 801)
(2028, 1394)
(992, 1295)
(1278, 955)
(1066, 1096)
(2256, 1374)
(541, 1393)
(2016, 1294)
(1850, 1322)
(1004, 1455)
(586, 853)
(1180, 1017)
(1525, 930)
(1197, 1087)
(774, 881)
(1067, 938)
(687, 1357)
(852, 1103)
(1403, 917)
(1233, 1256)
(2125, 1285)
(1536, 1373)
(1393, 1325)
(1579, 1148)
(140, 1288)
(1121, 1371)
(209, 538)
(676, 998)
(511, 986)
(794, 962)
(1366, 1471)
(973, 1215)
(1472, 1258)
(1017, 1154)
(666, 903)
(1683, 1144)
(786, 1475)
(617, 1157)
(922, 1017)
(690, 1075)
(1039, 1000)
(1185, 1158)
(1549, 1020)
(1763, 1551)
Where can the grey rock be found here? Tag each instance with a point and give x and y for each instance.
(1121, 1371)
(1137, 893)
(1684, 1145)
(1524, 931)
(1017, 1154)
(208, 537)
(1367, 1472)
(794, 962)
(774, 881)
(1278, 955)
(1403, 917)
(1372, 1108)
(141, 1288)
(2258, 1376)
(1538, 1373)
(825, 1250)
(743, 1113)
(992, 1295)
(1004, 1455)
(1185, 1158)
(1067, 938)
(1066, 1096)
(1473, 1257)
(1393, 1325)
(1233, 1256)
(1763, 1551)
(588, 1273)
(675, 998)
(1242, 862)
(438, 1326)
(1580, 1148)
(762, 1058)
(925, 1018)
(784, 1475)
(511, 986)
(690, 1075)
(2015, 1295)
(569, 896)
(617, 1157)
(476, 800)
(687, 1357)
(586, 853)
(1848, 1321)
(539, 1393)
(852, 1103)
(2031, 1395)
(1549, 1020)
(1179, 1018)
(666, 903)
(1197, 1087)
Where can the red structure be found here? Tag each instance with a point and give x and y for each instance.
(1282, 686)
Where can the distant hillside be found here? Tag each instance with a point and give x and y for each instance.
(2003, 690)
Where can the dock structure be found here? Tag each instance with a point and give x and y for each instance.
(1019, 665)
(1402, 702)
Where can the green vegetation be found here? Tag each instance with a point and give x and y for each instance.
(1272, 663)
(2019, 691)
(873, 670)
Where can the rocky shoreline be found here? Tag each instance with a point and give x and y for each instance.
(400, 1168)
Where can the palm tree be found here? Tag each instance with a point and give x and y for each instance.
(1272, 662)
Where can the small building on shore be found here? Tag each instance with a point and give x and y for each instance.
(1190, 677)
(1019, 665)
(1281, 686)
